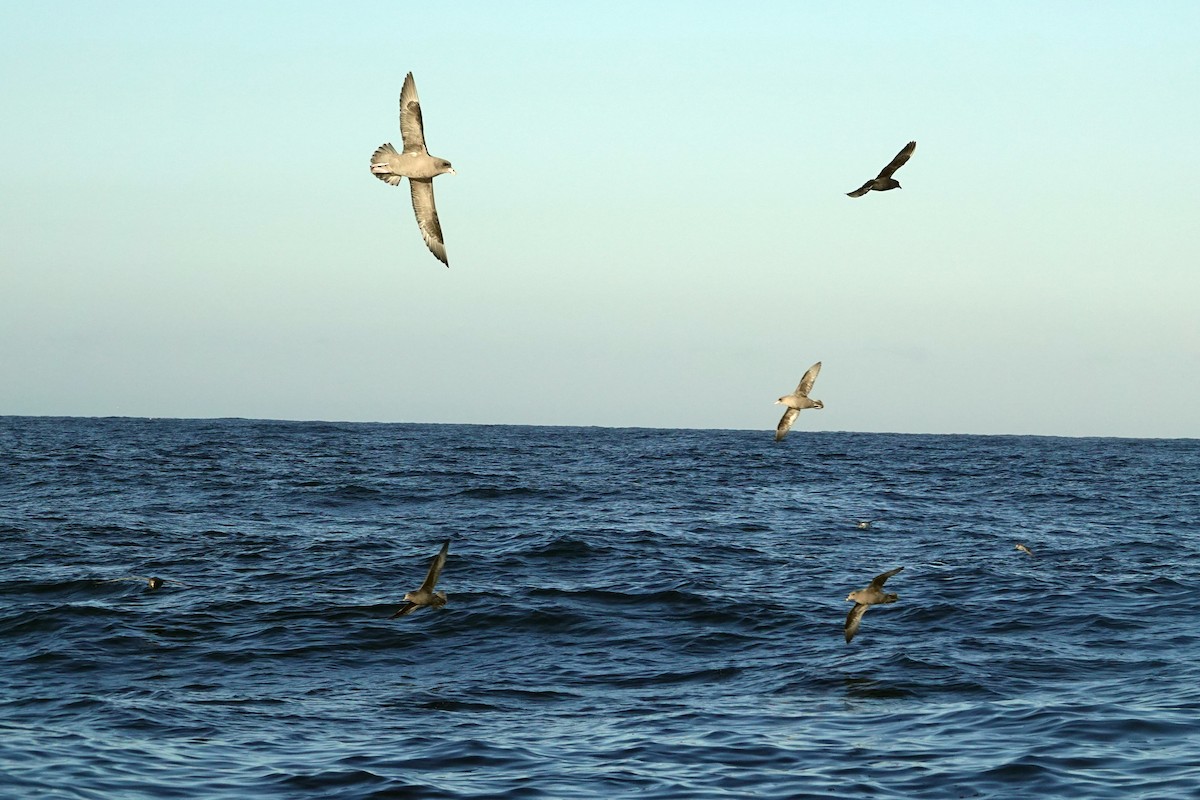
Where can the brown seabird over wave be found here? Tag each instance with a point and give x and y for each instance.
(865, 598)
(425, 596)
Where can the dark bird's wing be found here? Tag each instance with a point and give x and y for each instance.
(427, 218)
(898, 161)
(860, 191)
(785, 422)
(853, 619)
(412, 127)
(435, 568)
(407, 608)
(880, 580)
(806, 383)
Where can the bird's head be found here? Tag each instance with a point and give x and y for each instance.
(408, 597)
(444, 167)
(818, 404)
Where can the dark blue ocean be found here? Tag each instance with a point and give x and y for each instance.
(632, 613)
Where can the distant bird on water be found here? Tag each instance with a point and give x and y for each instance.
(864, 524)
(425, 596)
(865, 598)
(152, 582)
(885, 181)
(797, 400)
(1023, 549)
(417, 165)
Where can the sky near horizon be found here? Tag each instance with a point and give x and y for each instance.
(648, 225)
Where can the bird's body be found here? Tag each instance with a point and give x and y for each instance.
(152, 582)
(864, 598)
(425, 595)
(1023, 549)
(864, 524)
(797, 400)
(417, 165)
(884, 181)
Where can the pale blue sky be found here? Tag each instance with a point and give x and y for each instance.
(648, 225)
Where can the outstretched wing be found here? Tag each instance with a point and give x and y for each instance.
(880, 580)
(785, 422)
(860, 191)
(853, 619)
(806, 383)
(407, 608)
(412, 127)
(897, 162)
(435, 568)
(427, 218)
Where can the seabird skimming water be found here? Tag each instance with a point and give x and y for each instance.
(425, 596)
(865, 598)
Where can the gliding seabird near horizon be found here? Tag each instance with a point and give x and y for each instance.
(797, 400)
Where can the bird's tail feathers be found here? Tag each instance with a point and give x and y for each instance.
(380, 168)
(383, 151)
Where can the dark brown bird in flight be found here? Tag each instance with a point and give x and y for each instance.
(885, 180)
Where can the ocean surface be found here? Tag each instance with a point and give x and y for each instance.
(632, 613)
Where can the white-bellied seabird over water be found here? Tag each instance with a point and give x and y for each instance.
(885, 180)
(417, 165)
(865, 598)
(797, 400)
(425, 596)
